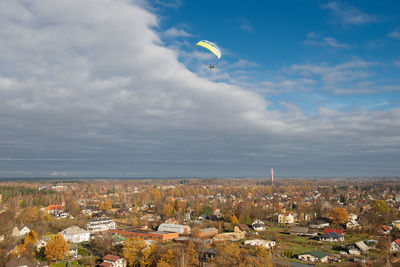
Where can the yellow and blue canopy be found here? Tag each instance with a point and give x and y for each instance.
(210, 46)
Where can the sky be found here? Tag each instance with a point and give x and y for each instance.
(117, 88)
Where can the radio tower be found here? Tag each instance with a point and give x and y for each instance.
(272, 175)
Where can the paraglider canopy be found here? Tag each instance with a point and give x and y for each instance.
(211, 47)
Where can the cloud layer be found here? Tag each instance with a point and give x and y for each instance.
(89, 89)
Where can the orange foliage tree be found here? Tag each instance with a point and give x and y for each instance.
(56, 249)
(339, 215)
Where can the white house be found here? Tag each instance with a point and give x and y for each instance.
(352, 224)
(353, 216)
(113, 261)
(74, 234)
(395, 245)
(100, 225)
(260, 242)
(314, 256)
(16, 232)
(40, 243)
(174, 228)
(258, 225)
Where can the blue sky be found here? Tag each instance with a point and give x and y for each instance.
(101, 88)
(274, 36)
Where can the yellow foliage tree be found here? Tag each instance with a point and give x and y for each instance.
(137, 252)
(166, 258)
(18, 250)
(28, 215)
(31, 238)
(234, 220)
(191, 255)
(263, 257)
(168, 209)
(339, 215)
(56, 249)
(380, 207)
(229, 255)
(107, 204)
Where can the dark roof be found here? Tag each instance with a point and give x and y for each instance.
(333, 235)
(244, 227)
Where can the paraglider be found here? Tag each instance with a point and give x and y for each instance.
(213, 48)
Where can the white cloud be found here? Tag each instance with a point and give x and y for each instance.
(348, 14)
(395, 34)
(245, 24)
(174, 32)
(326, 41)
(89, 88)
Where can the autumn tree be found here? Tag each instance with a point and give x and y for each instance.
(28, 215)
(56, 249)
(107, 204)
(263, 257)
(339, 215)
(234, 220)
(166, 258)
(137, 252)
(191, 255)
(380, 207)
(18, 250)
(229, 255)
(31, 238)
(168, 209)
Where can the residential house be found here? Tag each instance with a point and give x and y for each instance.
(75, 234)
(260, 242)
(236, 235)
(395, 246)
(352, 225)
(303, 231)
(314, 256)
(122, 212)
(17, 233)
(258, 225)
(358, 248)
(331, 237)
(100, 225)
(396, 224)
(55, 209)
(113, 261)
(353, 216)
(319, 224)
(100, 215)
(40, 243)
(244, 228)
(339, 231)
(286, 218)
(383, 230)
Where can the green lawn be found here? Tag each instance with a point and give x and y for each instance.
(83, 252)
(64, 264)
